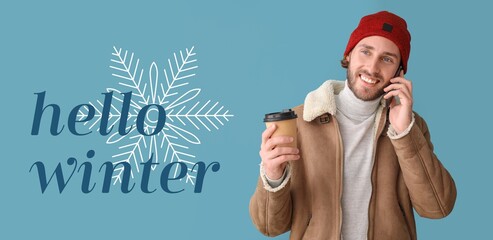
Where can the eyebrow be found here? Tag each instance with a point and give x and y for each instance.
(372, 48)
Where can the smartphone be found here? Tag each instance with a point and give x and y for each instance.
(397, 100)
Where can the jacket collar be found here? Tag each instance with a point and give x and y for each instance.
(322, 100)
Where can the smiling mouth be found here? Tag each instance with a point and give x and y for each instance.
(368, 80)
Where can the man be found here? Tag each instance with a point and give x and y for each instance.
(361, 164)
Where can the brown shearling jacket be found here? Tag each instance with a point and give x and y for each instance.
(406, 174)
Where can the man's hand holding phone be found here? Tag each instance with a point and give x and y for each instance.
(400, 115)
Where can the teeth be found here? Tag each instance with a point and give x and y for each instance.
(368, 80)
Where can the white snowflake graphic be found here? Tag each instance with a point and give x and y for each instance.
(172, 143)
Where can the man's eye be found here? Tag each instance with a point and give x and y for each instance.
(387, 59)
(366, 52)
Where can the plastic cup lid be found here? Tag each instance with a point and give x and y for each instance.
(286, 114)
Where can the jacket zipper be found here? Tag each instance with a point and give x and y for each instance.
(341, 172)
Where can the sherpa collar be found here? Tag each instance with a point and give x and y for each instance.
(322, 100)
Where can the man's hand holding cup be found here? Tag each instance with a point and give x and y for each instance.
(278, 143)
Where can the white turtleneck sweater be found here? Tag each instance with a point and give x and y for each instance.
(356, 120)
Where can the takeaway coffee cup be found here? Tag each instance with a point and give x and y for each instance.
(286, 124)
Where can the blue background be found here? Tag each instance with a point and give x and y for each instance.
(254, 57)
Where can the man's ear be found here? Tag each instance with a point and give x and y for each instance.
(348, 56)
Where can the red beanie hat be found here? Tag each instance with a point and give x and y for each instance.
(384, 24)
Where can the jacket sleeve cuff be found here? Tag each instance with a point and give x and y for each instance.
(275, 185)
(394, 135)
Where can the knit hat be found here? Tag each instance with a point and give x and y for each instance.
(384, 24)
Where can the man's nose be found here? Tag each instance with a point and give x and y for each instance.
(373, 66)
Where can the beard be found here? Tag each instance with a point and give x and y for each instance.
(365, 93)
